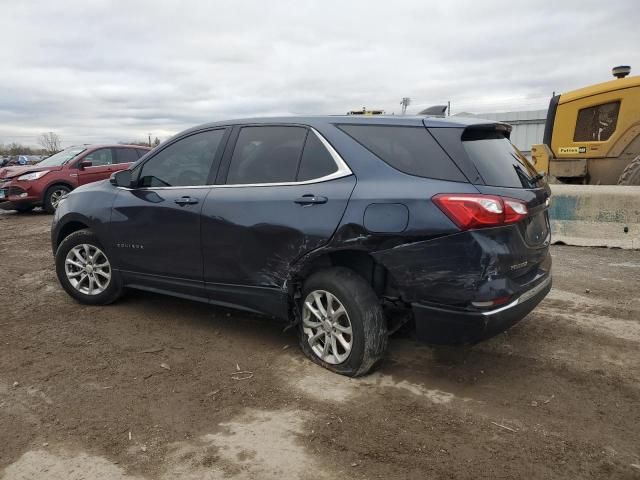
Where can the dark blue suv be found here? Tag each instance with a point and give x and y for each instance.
(344, 226)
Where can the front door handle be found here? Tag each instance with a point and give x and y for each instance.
(310, 199)
(186, 200)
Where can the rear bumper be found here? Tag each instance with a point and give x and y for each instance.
(445, 326)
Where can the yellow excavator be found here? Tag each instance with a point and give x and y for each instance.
(592, 135)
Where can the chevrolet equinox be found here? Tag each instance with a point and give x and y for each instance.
(344, 226)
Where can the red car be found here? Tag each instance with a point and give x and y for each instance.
(24, 187)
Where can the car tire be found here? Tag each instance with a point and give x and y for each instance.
(84, 270)
(52, 197)
(354, 326)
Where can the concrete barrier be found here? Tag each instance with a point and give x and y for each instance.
(595, 215)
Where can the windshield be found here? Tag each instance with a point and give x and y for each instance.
(499, 162)
(62, 157)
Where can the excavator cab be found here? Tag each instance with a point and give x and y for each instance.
(592, 135)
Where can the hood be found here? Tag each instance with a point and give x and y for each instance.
(16, 171)
(99, 185)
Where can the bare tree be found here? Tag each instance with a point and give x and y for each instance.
(51, 142)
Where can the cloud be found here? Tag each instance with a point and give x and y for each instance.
(106, 71)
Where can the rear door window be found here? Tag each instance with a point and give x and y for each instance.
(268, 154)
(498, 161)
(411, 150)
(126, 155)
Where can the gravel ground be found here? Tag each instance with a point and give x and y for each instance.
(145, 388)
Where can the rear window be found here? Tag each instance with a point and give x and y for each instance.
(498, 161)
(411, 150)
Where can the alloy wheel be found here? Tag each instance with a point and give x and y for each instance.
(326, 323)
(88, 269)
(56, 196)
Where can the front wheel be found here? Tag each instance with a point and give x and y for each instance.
(53, 196)
(343, 327)
(84, 270)
(631, 173)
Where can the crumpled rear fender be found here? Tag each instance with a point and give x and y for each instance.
(467, 266)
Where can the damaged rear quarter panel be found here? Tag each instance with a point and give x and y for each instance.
(425, 220)
(467, 266)
(431, 260)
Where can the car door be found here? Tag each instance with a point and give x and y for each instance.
(285, 190)
(102, 160)
(155, 227)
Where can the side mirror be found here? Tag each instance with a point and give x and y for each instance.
(121, 178)
(84, 164)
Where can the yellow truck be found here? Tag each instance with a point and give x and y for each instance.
(364, 111)
(592, 135)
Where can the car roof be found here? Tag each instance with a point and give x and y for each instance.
(108, 145)
(315, 120)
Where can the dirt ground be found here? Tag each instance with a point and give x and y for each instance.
(147, 388)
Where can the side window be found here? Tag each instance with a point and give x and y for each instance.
(186, 162)
(126, 155)
(411, 150)
(597, 123)
(141, 152)
(266, 155)
(316, 160)
(102, 156)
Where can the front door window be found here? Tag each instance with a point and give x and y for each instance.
(186, 162)
(100, 157)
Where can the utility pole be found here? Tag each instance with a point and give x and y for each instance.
(149, 139)
(449, 108)
(405, 102)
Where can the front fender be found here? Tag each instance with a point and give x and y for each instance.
(84, 208)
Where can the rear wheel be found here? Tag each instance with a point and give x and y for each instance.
(343, 328)
(84, 270)
(53, 196)
(631, 174)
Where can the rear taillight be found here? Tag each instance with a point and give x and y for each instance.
(469, 211)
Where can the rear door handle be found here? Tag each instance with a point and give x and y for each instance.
(186, 200)
(310, 199)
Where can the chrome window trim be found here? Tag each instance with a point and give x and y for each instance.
(342, 171)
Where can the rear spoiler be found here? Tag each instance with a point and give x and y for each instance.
(480, 131)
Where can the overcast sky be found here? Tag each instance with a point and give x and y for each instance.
(96, 71)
